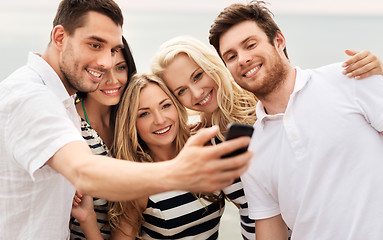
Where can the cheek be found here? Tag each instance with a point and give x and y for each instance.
(185, 100)
(142, 128)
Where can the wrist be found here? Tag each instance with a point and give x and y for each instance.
(89, 217)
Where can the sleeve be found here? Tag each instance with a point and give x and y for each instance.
(261, 204)
(236, 194)
(369, 98)
(37, 127)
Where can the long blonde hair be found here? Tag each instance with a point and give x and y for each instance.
(234, 103)
(128, 145)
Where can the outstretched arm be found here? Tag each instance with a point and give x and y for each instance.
(362, 64)
(197, 168)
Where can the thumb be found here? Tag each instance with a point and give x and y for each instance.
(202, 136)
(350, 52)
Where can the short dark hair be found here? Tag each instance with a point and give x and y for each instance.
(71, 13)
(237, 13)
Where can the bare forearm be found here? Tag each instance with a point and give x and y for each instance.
(273, 228)
(195, 169)
(90, 229)
(119, 180)
(108, 178)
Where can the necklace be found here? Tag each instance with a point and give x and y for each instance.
(83, 108)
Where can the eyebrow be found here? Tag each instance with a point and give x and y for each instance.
(101, 40)
(146, 108)
(242, 42)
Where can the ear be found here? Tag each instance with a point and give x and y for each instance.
(280, 42)
(58, 36)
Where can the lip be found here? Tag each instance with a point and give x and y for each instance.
(111, 91)
(208, 101)
(94, 75)
(253, 68)
(167, 128)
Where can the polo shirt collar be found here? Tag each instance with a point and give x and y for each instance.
(48, 76)
(302, 78)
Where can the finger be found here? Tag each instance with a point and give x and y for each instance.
(225, 178)
(350, 52)
(229, 146)
(77, 199)
(357, 71)
(230, 164)
(355, 58)
(367, 74)
(363, 61)
(202, 136)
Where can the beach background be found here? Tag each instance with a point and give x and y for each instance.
(317, 33)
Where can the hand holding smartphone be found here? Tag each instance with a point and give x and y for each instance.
(235, 130)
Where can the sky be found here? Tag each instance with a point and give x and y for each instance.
(279, 6)
(25, 26)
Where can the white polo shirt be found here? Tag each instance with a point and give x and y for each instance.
(37, 117)
(320, 164)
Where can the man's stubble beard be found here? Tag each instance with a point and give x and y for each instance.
(274, 78)
(69, 71)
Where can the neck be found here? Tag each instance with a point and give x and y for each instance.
(276, 101)
(97, 113)
(163, 153)
(206, 118)
(99, 119)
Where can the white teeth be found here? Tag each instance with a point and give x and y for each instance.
(162, 131)
(252, 71)
(97, 75)
(111, 91)
(205, 100)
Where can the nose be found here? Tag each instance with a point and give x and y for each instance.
(111, 77)
(158, 117)
(196, 91)
(244, 57)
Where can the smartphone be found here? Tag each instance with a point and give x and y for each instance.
(235, 130)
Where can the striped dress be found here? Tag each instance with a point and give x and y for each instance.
(100, 205)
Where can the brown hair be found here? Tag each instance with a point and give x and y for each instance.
(71, 13)
(237, 13)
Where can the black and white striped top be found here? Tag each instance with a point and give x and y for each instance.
(181, 215)
(236, 194)
(100, 205)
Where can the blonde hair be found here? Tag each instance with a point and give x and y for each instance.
(234, 103)
(128, 145)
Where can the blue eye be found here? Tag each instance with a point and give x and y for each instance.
(121, 68)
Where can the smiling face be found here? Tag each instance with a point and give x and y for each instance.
(110, 90)
(157, 118)
(191, 85)
(255, 64)
(88, 54)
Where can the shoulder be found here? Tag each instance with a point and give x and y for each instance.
(331, 70)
